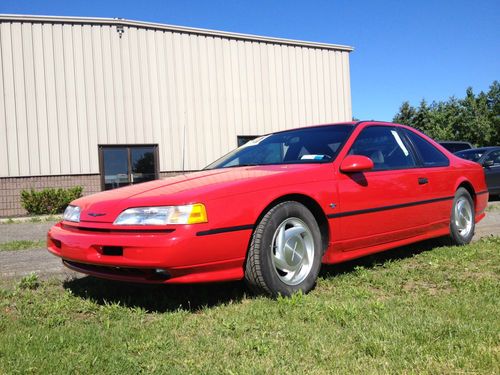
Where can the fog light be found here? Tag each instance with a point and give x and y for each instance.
(161, 271)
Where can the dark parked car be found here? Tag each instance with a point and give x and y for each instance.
(455, 146)
(489, 158)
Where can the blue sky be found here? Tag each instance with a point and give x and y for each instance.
(404, 50)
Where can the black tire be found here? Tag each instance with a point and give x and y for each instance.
(459, 236)
(261, 272)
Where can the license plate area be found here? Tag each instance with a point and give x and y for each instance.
(111, 250)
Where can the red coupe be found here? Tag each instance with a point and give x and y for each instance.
(277, 207)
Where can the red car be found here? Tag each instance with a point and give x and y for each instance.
(277, 207)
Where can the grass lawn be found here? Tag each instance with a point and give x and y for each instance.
(22, 245)
(420, 310)
(33, 219)
(493, 208)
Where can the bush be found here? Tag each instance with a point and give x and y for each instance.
(49, 201)
(30, 281)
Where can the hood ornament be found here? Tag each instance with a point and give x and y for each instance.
(93, 214)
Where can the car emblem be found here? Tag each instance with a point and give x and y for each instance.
(95, 214)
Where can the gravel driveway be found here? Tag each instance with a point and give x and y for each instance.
(24, 231)
(23, 262)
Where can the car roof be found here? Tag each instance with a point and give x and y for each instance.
(455, 142)
(480, 149)
(353, 123)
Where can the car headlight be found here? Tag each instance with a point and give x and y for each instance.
(187, 214)
(72, 213)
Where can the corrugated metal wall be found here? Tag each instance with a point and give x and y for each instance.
(67, 87)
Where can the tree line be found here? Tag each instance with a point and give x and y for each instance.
(475, 118)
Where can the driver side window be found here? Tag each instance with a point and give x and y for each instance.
(495, 156)
(384, 146)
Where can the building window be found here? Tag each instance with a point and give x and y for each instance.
(242, 139)
(122, 165)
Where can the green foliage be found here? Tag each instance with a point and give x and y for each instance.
(475, 118)
(49, 201)
(30, 281)
(21, 245)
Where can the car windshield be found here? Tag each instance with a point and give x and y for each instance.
(318, 144)
(473, 155)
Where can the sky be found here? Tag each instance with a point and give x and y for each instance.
(403, 50)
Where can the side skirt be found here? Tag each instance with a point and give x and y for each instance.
(331, 256)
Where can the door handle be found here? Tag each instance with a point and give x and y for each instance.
(423, 180)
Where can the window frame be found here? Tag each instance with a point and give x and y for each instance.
(128, 146)
(403, 139)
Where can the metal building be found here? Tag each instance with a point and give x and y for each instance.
(75, 91)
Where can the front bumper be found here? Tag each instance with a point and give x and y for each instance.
(174, 255)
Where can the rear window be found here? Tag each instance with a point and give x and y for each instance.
(472, 155)
(430, 155)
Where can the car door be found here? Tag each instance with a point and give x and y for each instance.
(492, 172)
(378, 206)
(437, 192)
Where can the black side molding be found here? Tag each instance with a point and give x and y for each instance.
(385, 208)
(224, 230)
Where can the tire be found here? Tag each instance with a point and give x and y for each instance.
(462, 221)
(285, 253)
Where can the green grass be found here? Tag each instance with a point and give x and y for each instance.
(33, 219)
(416, 310)
(493, 207)
(22, 245)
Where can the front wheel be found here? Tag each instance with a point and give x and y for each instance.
(462, 223)
(285, 253)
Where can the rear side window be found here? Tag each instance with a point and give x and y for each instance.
(495, 156)
(385, 147)
(430, 155)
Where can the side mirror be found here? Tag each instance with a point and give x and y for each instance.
(488, 163)
(356, 163)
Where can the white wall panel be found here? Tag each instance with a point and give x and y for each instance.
(53, 143)
(68, 85)
(40, 104)
(8, 141)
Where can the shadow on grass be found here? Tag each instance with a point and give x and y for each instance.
(164, 298)
(371, 261)
(157, 298)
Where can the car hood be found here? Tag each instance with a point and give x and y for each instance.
(193, 187)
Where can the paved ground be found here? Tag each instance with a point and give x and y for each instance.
(24, 231)
(20, 263)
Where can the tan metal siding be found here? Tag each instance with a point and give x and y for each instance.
(4, 151)
(67, 87)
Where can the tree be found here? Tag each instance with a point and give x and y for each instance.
(493, 100)
(406, 114)
(475, 118)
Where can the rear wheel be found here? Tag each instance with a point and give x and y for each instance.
(285, 253)
(462, 223)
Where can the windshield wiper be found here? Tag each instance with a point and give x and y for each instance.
(242, 165)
